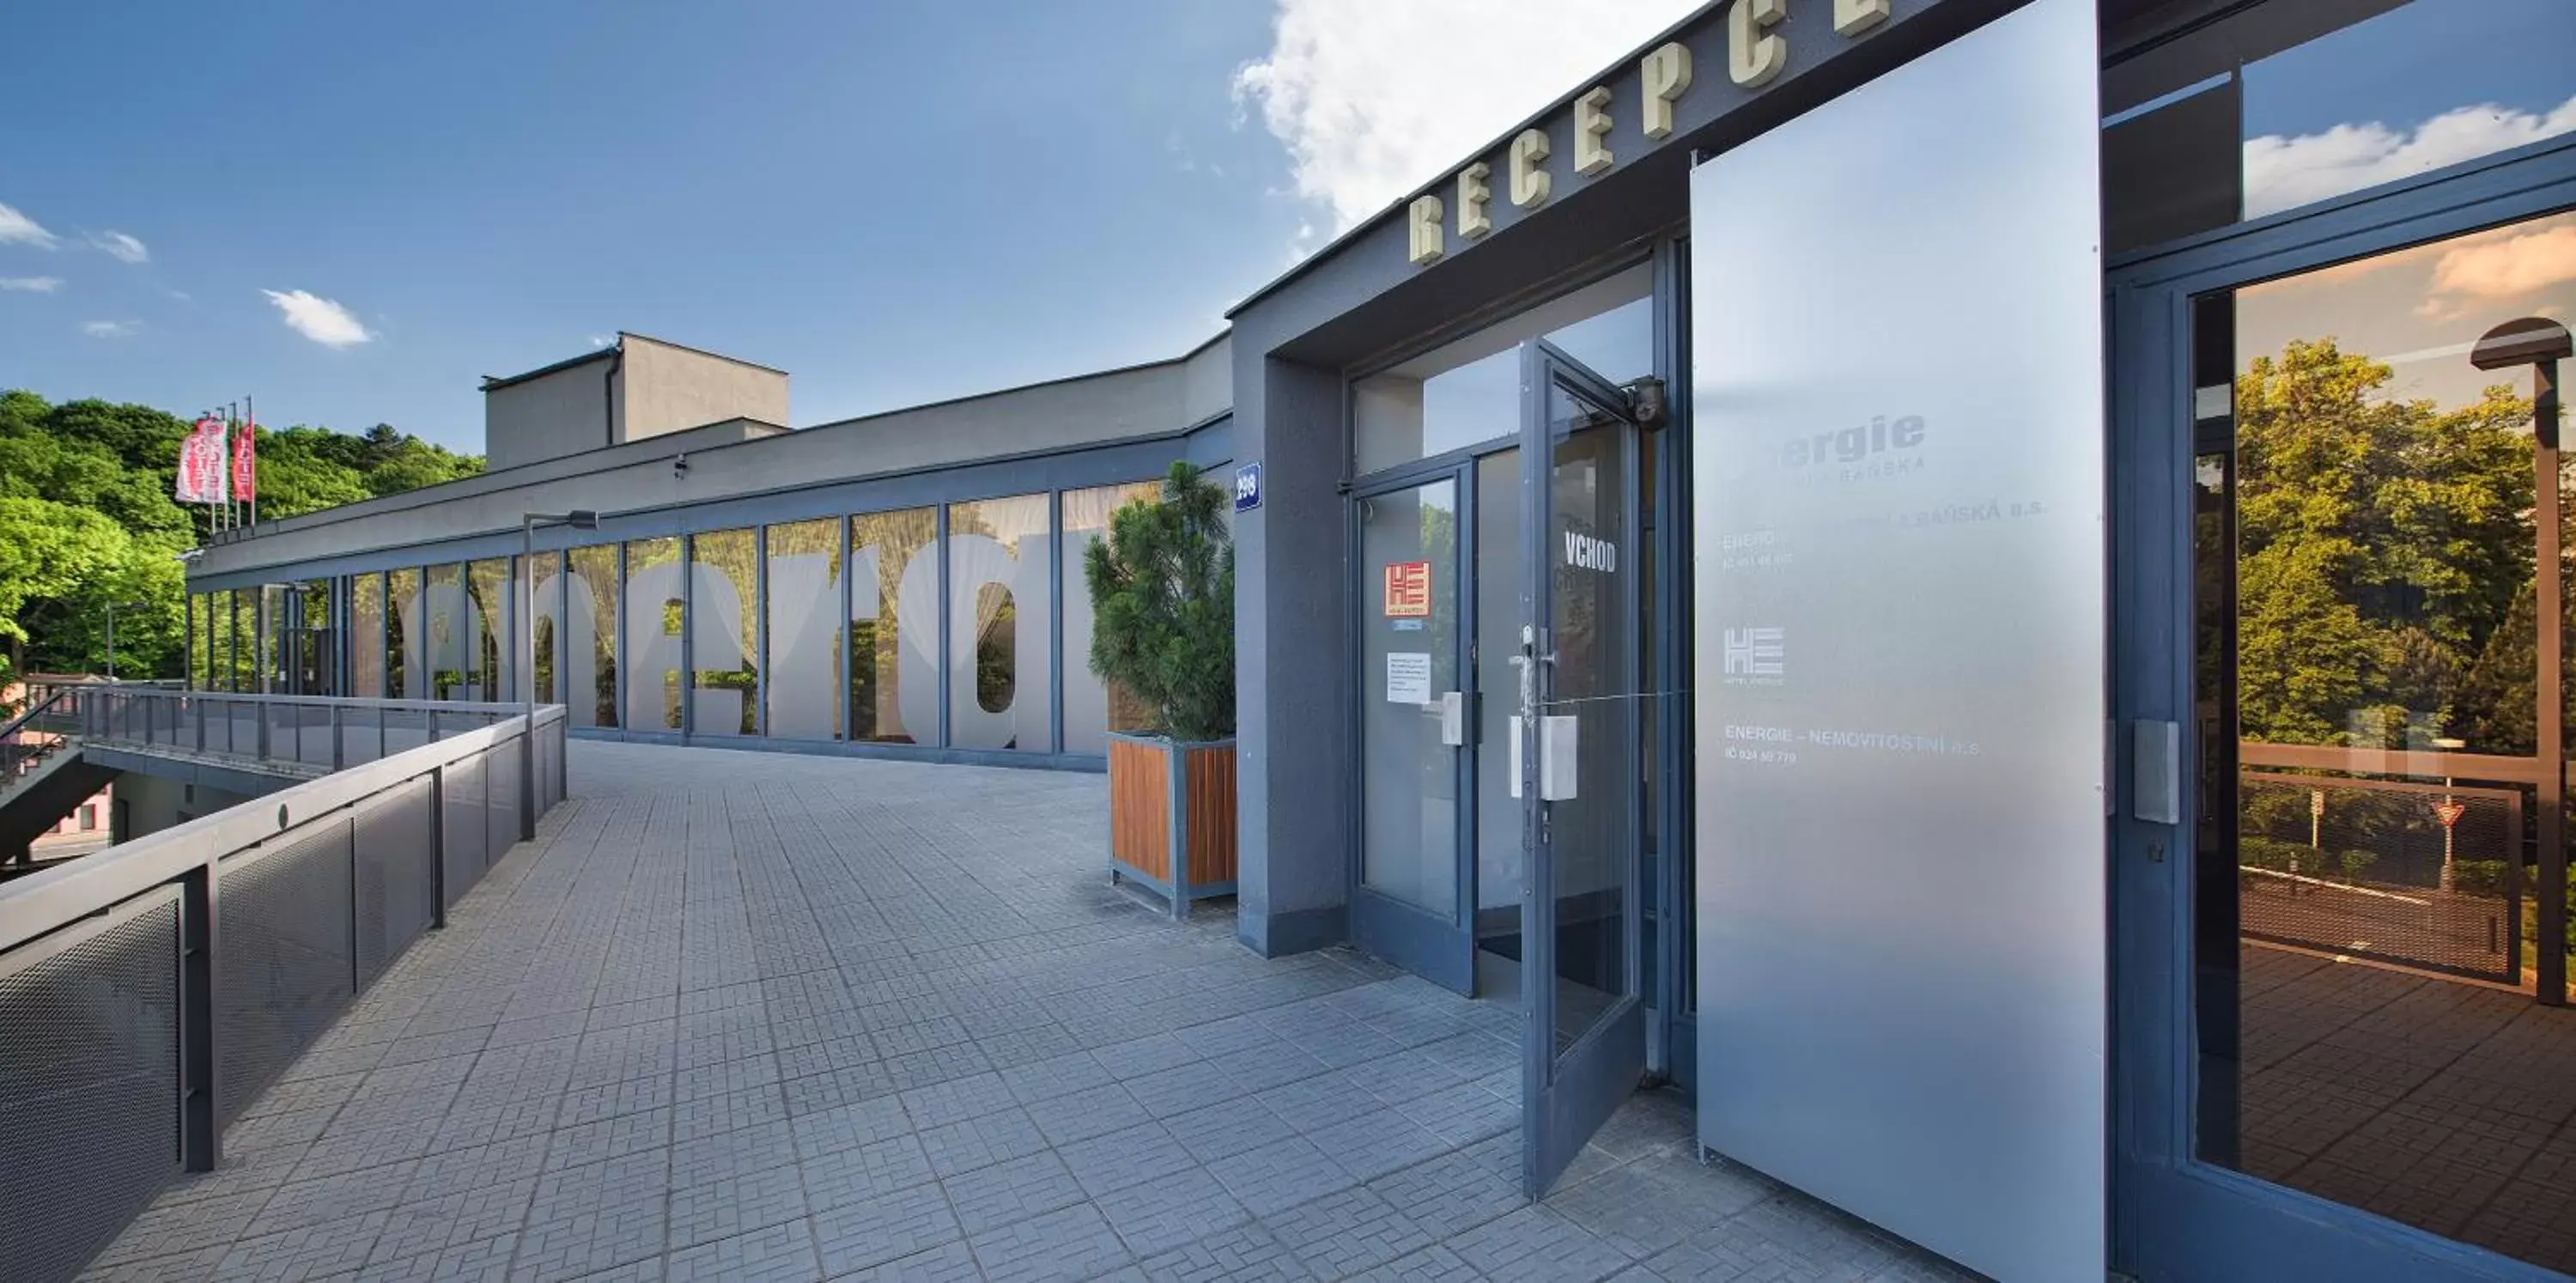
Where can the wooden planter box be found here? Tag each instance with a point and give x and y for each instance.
(1166, 796)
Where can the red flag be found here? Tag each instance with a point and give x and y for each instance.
(246, 464)
(201, 463)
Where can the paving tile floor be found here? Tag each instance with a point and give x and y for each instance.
(767, 1017)
(2444, 1104)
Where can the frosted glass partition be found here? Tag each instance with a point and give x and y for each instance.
(1900, 842)
(1092, 708)
(998, 586)
(545, 614)
(445, 636)
(367, 636)
(724, 614)
(656, 617)
(894, 626)
(489, 608)
(804, 617)
(404, 675)
(590, 636)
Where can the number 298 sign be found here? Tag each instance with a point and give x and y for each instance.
(1408, 589)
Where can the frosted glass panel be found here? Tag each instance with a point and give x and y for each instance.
(1093, 708)
(1900, 847)
(489, 588)
(805, 630)
(406, 662)
(894, 626)
(998, 608)
(590, 636)
(546, 615)
(654, 619)
(724, 606)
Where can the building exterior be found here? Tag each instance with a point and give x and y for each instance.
(2016, 686)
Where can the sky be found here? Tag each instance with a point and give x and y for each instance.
(353, 212)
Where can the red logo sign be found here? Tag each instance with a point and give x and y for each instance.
(2449, 812)
(1408, 589)
(246, 464)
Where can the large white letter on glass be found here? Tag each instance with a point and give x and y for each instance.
(1899, 604)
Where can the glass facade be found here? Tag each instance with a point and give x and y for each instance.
(404, 676)
(998, 590)
(1092, 708)
(489, 605)
(245, 640)
(656, 634)
(894, 627)
(1469, 391)
(2275, 107)
(827, 629)
(724, 612)
(446, 634)
(366, 636)
(590, 636)
(804, 619)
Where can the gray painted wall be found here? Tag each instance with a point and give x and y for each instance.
(152, 803)
(669, 388)
(550, 416)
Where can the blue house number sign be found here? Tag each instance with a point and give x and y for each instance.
(1247, 487)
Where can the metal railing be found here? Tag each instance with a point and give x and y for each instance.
(311, 732)
(151, 991)
(35, 733)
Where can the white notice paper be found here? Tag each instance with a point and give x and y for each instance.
(1408, 677)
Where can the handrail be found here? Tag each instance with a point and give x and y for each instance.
(42, 902)
(2391, 761)
(509, 707)
(18, 754)
(157, 957)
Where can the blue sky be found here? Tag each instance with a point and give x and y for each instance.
(894, 202)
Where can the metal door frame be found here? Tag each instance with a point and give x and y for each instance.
(2175, 1216)
(1409, 935)
(1564, 1098)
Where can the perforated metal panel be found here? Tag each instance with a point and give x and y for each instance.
(461, 827)
(89, 1085)
(283, 953)
(397, 894)
(501, 809)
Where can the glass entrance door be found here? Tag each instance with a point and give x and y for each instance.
(1585, 1043)
(2368, 1063)
(1415, 889)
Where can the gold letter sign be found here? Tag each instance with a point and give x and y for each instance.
(1753, 54)
(1423, 218)
(1664, 75)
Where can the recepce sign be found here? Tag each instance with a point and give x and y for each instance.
(1756, 53)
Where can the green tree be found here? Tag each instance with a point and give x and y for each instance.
(1162, 592)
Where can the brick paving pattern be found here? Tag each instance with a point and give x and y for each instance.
(2446, 1105)
(757, 1016)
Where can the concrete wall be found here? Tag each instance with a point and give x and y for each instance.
(550, 416)
(153, 803)
(669, 388)
(1146, 401)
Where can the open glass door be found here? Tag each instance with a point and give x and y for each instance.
(1584, 1047)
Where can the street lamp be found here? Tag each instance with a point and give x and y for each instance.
(2542, 343)
(577, 519)
(112, 608)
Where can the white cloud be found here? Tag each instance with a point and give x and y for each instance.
(2515, 265)
(31, 284)
(17, 227)
(111, 329)
(124, 248)
(319, 319)
(2285, 173)
(1372, 99)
